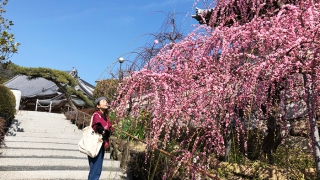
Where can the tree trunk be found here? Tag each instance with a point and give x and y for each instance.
(70, 101)
(228, 142)
(67, 94)
(314, 133)
(315, 141)
(273, 138)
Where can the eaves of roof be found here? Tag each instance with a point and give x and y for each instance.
(86, 87)
(32, 87)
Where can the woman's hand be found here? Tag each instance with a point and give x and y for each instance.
(100, 129)
(106, 134)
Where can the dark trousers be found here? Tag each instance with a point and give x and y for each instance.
(96, 165)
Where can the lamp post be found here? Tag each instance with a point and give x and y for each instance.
(121, 60)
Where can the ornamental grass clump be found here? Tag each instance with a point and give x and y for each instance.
(254, 62)
(136, 127)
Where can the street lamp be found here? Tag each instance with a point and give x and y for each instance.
(121, 60)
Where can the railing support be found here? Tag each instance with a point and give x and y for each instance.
(36, 105)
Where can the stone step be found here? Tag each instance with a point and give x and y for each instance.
(42, 145)
(32, 139)
(64, 135)
(14, 152)
(60, 117)
(51, 163)
(49, 127)
(54, 126)
(63, 122)
(35, 122)
(42, 119)
(38, 113)
(59, 174)
(52, 131)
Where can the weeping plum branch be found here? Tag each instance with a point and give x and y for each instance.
(187, 87)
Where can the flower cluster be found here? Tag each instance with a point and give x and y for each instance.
(220, 78)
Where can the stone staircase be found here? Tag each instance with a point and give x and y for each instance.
(42, 145)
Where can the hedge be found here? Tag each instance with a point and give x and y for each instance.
(7, 104)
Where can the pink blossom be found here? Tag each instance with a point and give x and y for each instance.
(197, 84)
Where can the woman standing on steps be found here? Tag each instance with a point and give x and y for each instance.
(102, 125)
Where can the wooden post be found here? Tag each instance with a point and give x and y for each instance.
(36, 105)
(50, 106)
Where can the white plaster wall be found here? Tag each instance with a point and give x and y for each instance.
(17, 95)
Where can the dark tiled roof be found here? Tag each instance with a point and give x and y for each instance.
(46, 89)
(85, 87)
(78, 102)
(32, 87)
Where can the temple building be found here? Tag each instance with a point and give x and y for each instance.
(43, 95)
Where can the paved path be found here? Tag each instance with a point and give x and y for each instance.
(43, 145)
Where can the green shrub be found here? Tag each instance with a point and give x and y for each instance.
(2, 129)
(106, 88)
(294, 159)
(7, 104)
(136, 127)
(151, 168)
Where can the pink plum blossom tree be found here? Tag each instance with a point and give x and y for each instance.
(241, 70)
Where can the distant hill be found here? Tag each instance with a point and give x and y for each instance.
(5, 73)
